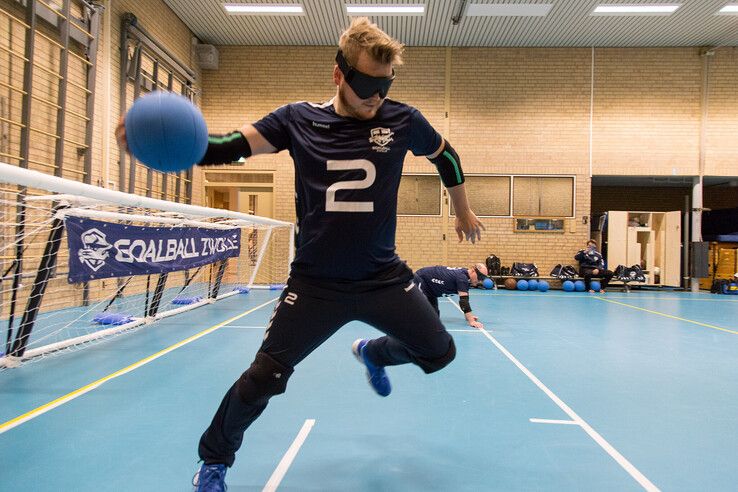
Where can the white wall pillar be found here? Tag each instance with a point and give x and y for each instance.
(696, 222)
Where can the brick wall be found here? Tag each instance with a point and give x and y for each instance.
(721, 153)
(517, 111)
(154, 16)
(243, 90)
(163, 25)
(646, 118)
(521, 111)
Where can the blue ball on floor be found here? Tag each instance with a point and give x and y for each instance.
(487, 283)
(542, 285)
(522, 285)
(533, 284)
(579, 286)
(568, 286)
(595, 286)
(166, 131)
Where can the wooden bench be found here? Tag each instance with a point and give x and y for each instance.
(495, 278)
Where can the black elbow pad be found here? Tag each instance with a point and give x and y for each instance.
(449, 166)
(224, 149)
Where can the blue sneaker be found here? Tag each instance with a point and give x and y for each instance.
(210, 478)
(377, 377)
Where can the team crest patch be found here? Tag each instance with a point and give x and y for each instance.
(95, 250)
(382, 137)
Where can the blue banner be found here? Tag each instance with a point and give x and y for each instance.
(104, 249)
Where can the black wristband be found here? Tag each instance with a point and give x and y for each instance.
(464, 304)
(224, 149)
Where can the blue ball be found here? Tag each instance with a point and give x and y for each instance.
(568, 286)
(542, 285)
(487, 283)
(532, 284)
(595, 286)
(522, 285)
(579, 286)
(166, 131)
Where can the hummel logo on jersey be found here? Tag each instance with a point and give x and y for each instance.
(382, 137)
(321, 125)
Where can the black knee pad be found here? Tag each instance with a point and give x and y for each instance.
(265, 378)
(433, 365)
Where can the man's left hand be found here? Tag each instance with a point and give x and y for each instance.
(468, 226)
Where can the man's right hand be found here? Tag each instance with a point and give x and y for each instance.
(472, 321)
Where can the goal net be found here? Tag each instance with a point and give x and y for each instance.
(80, 263)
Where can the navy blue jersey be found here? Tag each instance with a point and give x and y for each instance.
(347, 173)
(440, 280)
(590, 258)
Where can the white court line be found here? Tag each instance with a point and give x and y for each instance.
(634, 297)
(247, 326)
(578, 295)
(288, 457)
(455, 305)
(558, 422)
(32, 414)
(609, 449)
(619, 458)
(474, 330)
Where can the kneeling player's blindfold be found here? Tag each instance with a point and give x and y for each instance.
(365, 86)
(480, 276)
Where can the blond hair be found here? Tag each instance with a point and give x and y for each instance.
(364, 35)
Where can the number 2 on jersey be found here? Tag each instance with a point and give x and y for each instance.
(331, 205)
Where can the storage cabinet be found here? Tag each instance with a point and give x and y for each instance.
(652, 240)
(723, 263)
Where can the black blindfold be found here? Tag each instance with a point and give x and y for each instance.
(365, 86)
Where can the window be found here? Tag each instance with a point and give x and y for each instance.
(539, 225)
(539, 196)
(420, 194)
(489, 196)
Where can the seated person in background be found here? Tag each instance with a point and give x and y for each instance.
(592, 265)
(437, 281)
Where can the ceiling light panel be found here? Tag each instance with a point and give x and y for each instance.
(388, 9)
(730, 9)
(508, 10)
(264, 9)
(626, 9)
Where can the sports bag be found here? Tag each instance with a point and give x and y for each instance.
(524, 270)
(493, 265)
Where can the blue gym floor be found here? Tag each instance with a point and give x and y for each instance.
(626, 391)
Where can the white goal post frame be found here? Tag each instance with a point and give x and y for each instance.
(14, 175)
